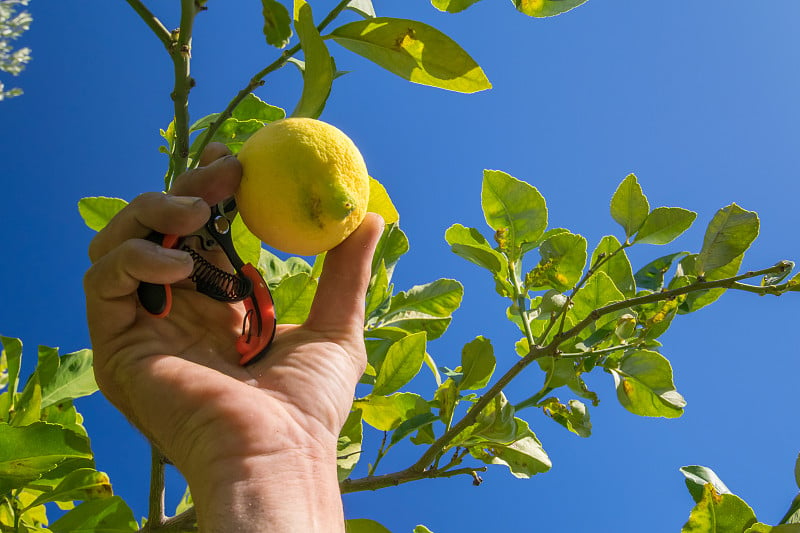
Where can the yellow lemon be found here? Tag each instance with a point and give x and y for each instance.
(304, 187)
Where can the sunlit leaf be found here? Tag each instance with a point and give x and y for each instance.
(293, 297)
(411, 425)
(83, 484)
(30, 451)
(348, 447)
(644, 385)
(414, 51)
(381, 203)
(563, 260)
(699, 299)
(425, 307)
(453, 6)
(546, 8)
(719, 513)
(618, 267)
(598, 292)
(574, 416)
(109, 515)
(385, 413)
(729, 234)
(391, 246)
(364, 525)
(477, 364)
(319, 68)
(664, 224)
(274, 269)
(73, 378)
(97, 211)
(403, 361)
(514, 209)
(651, 276)
(362, 7)
(277, 23)
(629, 205)
(378, 292)
(12, 352)
(446, 396)
(247, 245)
(524, 457)
(696, 477)
(28, 405)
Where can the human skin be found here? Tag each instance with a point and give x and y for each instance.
(257, 444)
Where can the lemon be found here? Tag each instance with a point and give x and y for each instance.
(304, 187)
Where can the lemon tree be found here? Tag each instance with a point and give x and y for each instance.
(577, 310)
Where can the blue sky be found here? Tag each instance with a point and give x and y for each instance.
(700, 102)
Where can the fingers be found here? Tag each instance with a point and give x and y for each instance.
(214, 182)
(110, 284)
(181, 212)
(339, 303)
(164, 213)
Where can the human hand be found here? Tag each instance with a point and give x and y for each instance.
(232, 431)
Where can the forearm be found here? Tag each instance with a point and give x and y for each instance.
(292, 493)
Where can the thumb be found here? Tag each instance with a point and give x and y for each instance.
(338, 306)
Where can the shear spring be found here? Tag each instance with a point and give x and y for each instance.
(215, 282)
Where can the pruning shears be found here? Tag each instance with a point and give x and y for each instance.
(244, 285)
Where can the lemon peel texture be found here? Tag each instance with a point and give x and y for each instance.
(305, 185)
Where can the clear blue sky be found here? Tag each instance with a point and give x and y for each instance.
(699, 101)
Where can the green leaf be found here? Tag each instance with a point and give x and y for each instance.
(30, 451)
(664, 224)
(319, 69)
(447, 397)
(472, 246)
(109, 515)
(28, 406)
(421, 529)
(275, 269)
(719, 513)
(453, 6)
(760, 527)
(546, 8)
(644, 385)
(797, 471)
(618, 267)
(651, 276)
(380, 202)
(792, 515)
(378, 293)
(477, 364)
(729, 234)
(186, 502)
(699, 299)
(97, 211)
(698, 476)
(364, 525)
(629, 205)
(513, 208)
(362, 7)
(391, 246)
(293, 297)
(403, 361)
(250, 108)
(277, 23)
(385, 413)
(598, 292)
(774, 279)
(563, 260)
(83, 484)
(348, 447)
(411, 425)
(574, 417)
(247, 245)
(12, 353)
(414, 51)
(496, 423)
(426, 307)
(73, 378)
(524, 457)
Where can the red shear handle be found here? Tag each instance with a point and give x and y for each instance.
(157, 299)
(258, 329)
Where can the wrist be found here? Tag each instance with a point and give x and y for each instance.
(292, 490)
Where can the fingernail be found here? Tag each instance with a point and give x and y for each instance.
(179, 256)
(184, 201)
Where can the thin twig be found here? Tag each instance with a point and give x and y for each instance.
(258, 80)
(398, 478)
(153, 23)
